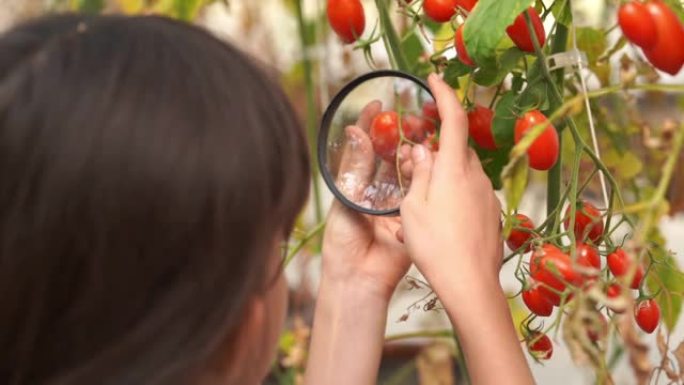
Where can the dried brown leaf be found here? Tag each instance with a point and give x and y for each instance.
(679, 356)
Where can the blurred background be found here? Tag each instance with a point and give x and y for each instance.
(294, 41)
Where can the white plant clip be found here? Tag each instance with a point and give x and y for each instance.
(572, 59)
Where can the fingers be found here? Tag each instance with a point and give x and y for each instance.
(453, 137)
(422, 173)
(357, 165)
(367, 114)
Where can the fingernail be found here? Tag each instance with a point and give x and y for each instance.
(419, 153)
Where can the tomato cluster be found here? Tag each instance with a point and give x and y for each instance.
(388, 130)
(654, 27)
(544, 150)
(552, 271)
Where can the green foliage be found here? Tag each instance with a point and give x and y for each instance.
(486, 26)
(454, 70)
(505, 115)
(561, 12)
(667, 279)
(88, 6)
(515, 184)
(490, 76)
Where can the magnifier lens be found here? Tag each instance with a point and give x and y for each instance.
(366, 139)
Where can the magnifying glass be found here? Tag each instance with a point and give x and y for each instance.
(366, 137)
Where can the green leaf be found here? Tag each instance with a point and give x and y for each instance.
(490, 76)
(486, 26)
(592, 42)
(454, 70)
(626, 164)
(493, 163)
(561, 12)
(667, 277)
(515, 184)
(504, 119)
(412, 47)
(535, 95)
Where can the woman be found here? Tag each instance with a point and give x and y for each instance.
(150, 174)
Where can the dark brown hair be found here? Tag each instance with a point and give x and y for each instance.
(146, 170)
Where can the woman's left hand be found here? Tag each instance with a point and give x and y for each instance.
(361, 249)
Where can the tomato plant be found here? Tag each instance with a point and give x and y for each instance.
(621, 264)
(588, 222)
(461, 50)
(537, 301)
(667, 54)
(440, 10)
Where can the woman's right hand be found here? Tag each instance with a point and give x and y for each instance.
(451, 227)
(450, 216)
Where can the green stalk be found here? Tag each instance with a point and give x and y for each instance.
(311, 112)
(553, 186)
(391, 38)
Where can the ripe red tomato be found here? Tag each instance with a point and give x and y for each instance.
(588, 222)
(466, 4)
(620, 263)
(588, 256)
(536, 301)
(539, 345)
(647, 315)
(614, 291)
(543, 153)
(553, 268)
(668, 52)
(480, 127)
(347, 19)
(413, 128)
(520, 34)
(384, 134)
(430, 117)
(440, 10)
(518, 238)
(637, 24)
(461, 48)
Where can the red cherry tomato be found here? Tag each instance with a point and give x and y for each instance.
(384, 134)
(620, 263)
(480, 127)
(520, 34)
(553, 268)
(430, 117)
(647, 315)
(543, 153)
(413, 128)
(536, 301)
(588, 222)
(668, 52)
(637, 24)
(440, 11)
(347, 19)
(614, 291)
(520, 237)
(539, 345)
(588, 256)
(461, 48)
(468, 5)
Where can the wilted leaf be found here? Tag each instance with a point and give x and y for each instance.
(625, 165)
(515, 184)
(486, 26)
(679, 356)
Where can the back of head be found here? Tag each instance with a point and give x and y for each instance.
(146, 169)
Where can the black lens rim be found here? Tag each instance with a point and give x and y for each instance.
(324, 130)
